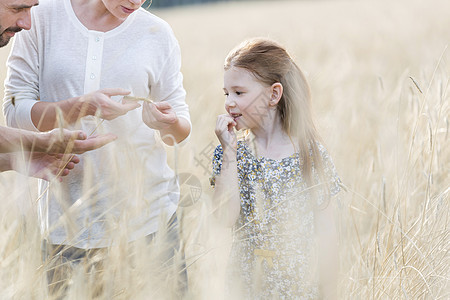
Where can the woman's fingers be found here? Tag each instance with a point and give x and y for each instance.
(126, 107)
(158, 115)
(160, 110)
(162, 105)
(110, 92)
(112, 109)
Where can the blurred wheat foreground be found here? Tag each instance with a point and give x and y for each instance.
(379, 73)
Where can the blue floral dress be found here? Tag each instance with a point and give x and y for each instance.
(272, 255)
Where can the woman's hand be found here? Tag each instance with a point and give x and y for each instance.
(158, 115)
(225, 132)
(44, 114)
(100, 103)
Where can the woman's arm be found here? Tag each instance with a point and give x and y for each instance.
(23, 106)
(160, 116)
(44, 114)
(169, 113)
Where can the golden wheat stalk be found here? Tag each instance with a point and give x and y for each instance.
(132, 98)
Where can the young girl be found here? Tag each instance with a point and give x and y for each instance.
(274, 186)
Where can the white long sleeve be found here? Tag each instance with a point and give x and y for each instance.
(59, 59)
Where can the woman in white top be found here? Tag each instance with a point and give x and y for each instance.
(103, 49)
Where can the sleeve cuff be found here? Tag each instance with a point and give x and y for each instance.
(20, 117)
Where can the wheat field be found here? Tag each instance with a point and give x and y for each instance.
(379, 73)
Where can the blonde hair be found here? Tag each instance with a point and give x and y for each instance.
(270, 63)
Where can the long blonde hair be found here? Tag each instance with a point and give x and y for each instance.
(270, 63)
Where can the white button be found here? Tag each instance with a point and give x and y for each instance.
(94, 57)
(97, 39)
(92, 76)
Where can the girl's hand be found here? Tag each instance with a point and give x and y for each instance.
(225, 132)
(100, 102)
(158, 115)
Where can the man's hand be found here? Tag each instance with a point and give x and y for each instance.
(43, 165)
(66, 141)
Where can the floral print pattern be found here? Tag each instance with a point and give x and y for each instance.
(272, 255)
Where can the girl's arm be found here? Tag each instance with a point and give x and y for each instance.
(327, 238)
(226, 198)
(226, 193)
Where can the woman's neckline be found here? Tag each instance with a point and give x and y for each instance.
(76, 21)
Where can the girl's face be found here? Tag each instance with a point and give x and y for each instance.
(247, 99)
(121, 9)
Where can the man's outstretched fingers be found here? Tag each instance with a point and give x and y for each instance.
(92, 142)
(81, 135)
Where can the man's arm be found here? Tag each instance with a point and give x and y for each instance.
(5, 162)
(12, 139)
(55, 141)
(39, 165)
